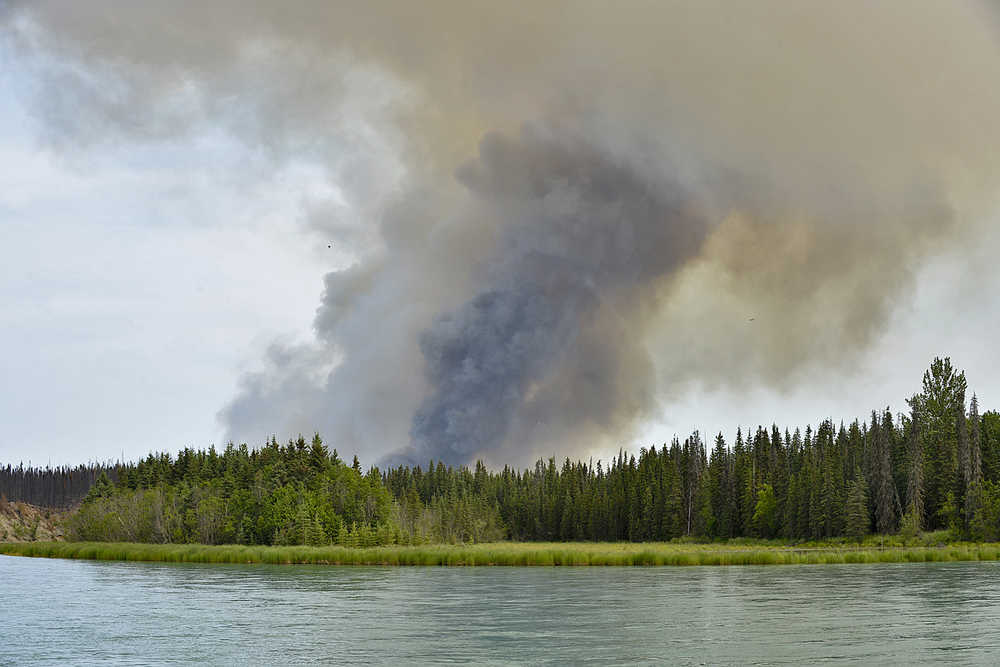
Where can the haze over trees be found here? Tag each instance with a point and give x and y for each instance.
(935, 467)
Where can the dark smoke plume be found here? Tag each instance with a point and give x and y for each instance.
(584, 235)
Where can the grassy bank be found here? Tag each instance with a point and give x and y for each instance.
(510, 553)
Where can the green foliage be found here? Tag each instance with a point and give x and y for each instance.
(818, 484)
(910, 526)
(990, 444)
(939, 409)
(857, 509)
(102, 488)
(985, 524)
(765, 515)
(949, 514)
(275, 495)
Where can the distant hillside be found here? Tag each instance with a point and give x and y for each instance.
(21, 522)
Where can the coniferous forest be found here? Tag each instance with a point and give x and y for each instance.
(934, 466)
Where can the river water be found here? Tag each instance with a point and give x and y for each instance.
(79, 612)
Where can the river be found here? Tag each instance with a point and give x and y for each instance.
(78, 612)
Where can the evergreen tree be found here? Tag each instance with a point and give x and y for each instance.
(989, 444)
(720, 490)
(939, 405)
(765, 515)
(914, 518)
(973, 497)
(886, 500)
(857, 507)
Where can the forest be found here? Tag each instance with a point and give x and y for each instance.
(935, 466)
(56, 488)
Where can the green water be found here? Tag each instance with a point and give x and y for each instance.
(79, 612)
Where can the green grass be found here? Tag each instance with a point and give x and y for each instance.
(513, 553)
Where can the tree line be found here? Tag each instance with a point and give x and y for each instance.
(934, 466)
(298, 493)
(937, 466)
(59, 487)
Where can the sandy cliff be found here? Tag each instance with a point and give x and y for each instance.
(21, 522)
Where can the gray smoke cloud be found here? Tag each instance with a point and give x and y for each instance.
(561, 218)
(585, 238)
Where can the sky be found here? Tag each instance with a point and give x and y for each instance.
(480, 233)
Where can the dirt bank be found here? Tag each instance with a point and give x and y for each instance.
(21, 522)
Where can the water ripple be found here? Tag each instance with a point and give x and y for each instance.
(80, 612)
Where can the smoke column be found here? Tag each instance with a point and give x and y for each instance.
(585, 238)
(561, 218)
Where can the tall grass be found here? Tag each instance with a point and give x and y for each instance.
(508, 553)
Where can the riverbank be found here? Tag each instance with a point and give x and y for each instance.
(21, 522)
(509, 554)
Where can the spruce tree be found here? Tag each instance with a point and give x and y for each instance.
(886, 500)
(913, 521)
(973, 496)
(765, 515)
(856, 512)
(975, 441)
(741, 481)
(939, 405)
(720, 489)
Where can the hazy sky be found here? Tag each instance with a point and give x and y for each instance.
(549, 231)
